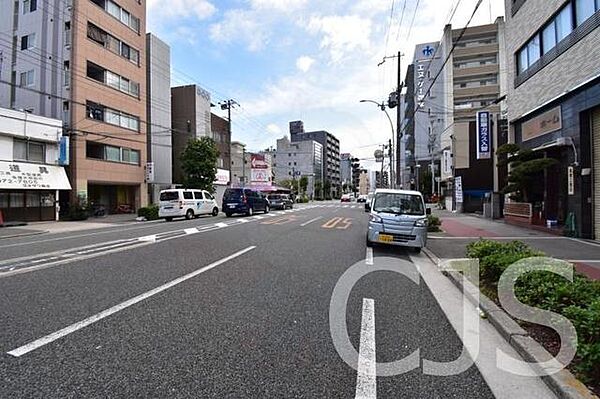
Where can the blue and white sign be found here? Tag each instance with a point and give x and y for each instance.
(428, 51)
(484, 137)
(63, 151)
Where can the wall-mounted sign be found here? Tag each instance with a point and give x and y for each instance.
(222, 177)
(149, 172)
(63, 151)
(484, 137)
(545, 123)
(378, 155)
(458, 189)
(27, 176)
(258, 161)
(571, 180)
(447, 162)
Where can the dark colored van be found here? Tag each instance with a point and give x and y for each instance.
(245, 201)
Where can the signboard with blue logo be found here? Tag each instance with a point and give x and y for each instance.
(484, 136)
(63, 151)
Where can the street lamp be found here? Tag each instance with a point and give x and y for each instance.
(382, 107)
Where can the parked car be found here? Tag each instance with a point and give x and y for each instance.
(346, 198)
(280, 201)
(245, 201)
(186, 203)
(362, 198)
(398, 217)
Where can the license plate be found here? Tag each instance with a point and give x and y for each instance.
(386, 238)
(231, 205)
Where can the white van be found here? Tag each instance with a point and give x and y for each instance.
(186, 203)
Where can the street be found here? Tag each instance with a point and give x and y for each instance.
(227, 307)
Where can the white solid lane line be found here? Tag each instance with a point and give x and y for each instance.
(151, 238)
(311, 221)
(369, 257)
(191, 231)
(221, 225)
(22, 350)
(366, 380)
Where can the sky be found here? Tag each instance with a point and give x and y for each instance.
(310, 60)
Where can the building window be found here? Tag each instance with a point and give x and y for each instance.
(584, 9)
(27, 78)
(564, 23)
(112, 43)
(113, 80)
(119, 13)
(30, 151)
(29, 6)
(111, 116)
(28, 42)
(104, 152)
(549, 37)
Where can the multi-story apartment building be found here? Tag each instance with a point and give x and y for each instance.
(83, 61)
(346, 169)
(553, 96)
(240, 164)
(294, 160)
(160, 154)
(190, 119)
(408, 129)
(331, 153)
(30, 174)
(474, 79)
(35, 56)
(221, 133)
(108, 103)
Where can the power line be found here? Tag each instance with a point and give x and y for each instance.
(387, 36)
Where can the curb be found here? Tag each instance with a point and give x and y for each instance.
(25, 234)
(563, 383)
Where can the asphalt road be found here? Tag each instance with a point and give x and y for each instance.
(216, 307)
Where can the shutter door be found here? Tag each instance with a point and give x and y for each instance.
(596, 170)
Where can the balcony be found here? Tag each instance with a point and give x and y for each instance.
(487, 49)
(476, 71)
(471, 92)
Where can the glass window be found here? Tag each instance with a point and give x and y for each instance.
(583, 10)
(135, 157)
(27, 78)
(26, 6)
(112, 79)
(113, 9)
(564, 23)
(36, 152)
(125, 155)
(112, 153)
(522, 60)
(198, 195)
(125, 50)
(20, 150)
(4, 200)
(17, 200)
(125, 85)
(47, 200)
(94, 150)
(134, 56)
(187, 195)
(32, 199)
(125, 17)
(549, 37)
(112, 117)
(533, 50)
(135, 24)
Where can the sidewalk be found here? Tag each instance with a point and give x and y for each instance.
(92, 223)
(461, 229)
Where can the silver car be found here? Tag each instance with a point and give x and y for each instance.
(398, 217)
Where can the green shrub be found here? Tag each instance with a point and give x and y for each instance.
(149, 212)
(579, 301)
(77, 211)
(433, 223)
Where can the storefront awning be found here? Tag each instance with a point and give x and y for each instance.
(29, 176)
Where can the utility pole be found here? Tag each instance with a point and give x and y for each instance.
(227, 105)
(243, 166)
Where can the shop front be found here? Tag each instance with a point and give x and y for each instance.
(566, 196)
(113, 199)
(29, 192)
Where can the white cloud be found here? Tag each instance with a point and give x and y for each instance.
(240, 26)
(273, 129)
(342, 34)
(201, 9)
(304, 63)
(279, 5)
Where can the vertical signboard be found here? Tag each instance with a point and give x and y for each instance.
(63, 151)
(458, 189)
(447, 162)
(260, 173)
(484, 138)
(149, 172)
(571, 180)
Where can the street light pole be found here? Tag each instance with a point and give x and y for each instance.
(391, 150)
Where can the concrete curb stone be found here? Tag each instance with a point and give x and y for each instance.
(563, 383)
